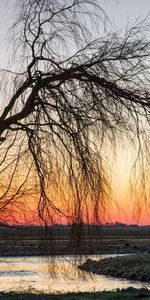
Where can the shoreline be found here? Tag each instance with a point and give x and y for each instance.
(131, 267)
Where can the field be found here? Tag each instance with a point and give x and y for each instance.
(60, 240)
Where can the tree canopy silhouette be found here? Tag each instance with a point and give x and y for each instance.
(73, 89)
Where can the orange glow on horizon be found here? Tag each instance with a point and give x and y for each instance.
(122, 207)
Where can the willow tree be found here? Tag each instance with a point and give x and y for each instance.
(72, 89)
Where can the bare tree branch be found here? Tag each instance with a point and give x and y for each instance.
(71, 96)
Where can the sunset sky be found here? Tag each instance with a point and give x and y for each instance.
(120, 13)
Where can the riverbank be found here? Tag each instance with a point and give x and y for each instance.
(131, 267)
(125, 294)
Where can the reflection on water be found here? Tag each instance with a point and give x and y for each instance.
(57, 274)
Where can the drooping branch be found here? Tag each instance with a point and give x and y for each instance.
(73, 95)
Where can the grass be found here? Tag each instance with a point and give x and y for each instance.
(131, 267)
(125, 294)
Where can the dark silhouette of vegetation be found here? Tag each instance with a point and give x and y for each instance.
(73, 90)
(131, 267)
(124, 294)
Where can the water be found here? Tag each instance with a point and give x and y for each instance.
(57, 275)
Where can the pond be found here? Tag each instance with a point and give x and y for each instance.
(57, 274)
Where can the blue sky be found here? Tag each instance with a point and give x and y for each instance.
(123, 10)
(119, 11)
